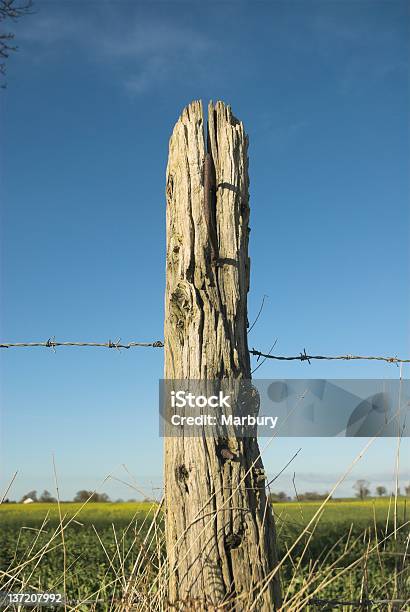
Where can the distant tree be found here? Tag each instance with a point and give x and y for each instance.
(281, 496)
(10, 10)
(47, 498)
(83, 495)
(312, 496)
(380, 490)
(407, 490)
(30, 495)
(119, 501)
(362, 489)
(92, 496)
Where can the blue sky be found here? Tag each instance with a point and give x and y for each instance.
(93, 94)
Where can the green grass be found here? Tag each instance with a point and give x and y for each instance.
(103, 541)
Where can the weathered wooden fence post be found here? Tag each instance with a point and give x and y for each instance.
(220, 533)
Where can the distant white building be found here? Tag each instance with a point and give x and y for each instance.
(28, 500)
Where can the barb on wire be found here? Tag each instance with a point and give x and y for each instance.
(266, 357)
(304, 357)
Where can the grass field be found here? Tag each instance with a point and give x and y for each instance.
(336, 511)
(102, 545)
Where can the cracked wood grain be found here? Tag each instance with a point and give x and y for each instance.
(220, 532)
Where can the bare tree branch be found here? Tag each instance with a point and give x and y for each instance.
(10, 10)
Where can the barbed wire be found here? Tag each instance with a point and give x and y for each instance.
(52, 343)
(117, 344)
(305, 357)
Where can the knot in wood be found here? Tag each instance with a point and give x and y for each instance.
(226, 454)
(182, 475)
(232, 540)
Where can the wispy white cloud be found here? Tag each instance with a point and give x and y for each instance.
(353, 36)
(144, 52)
(360, 71)
(156, 39)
